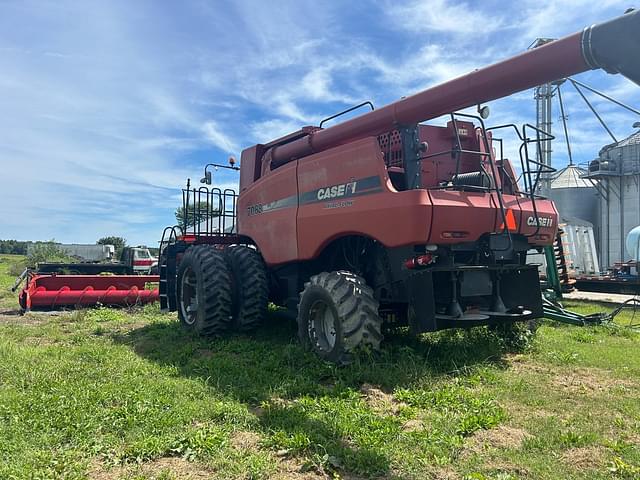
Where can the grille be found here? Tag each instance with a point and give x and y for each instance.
(391, 146)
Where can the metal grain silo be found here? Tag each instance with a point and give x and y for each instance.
(617, 172)
(575, 196)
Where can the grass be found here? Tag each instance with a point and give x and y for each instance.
(108, 393)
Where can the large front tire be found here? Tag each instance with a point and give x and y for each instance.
(337, 315)
(204, 291)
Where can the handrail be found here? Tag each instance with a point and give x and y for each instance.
(351, 109)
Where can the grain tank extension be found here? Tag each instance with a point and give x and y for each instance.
(383, 218)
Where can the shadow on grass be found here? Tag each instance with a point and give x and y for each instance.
(270, 362)
(271, 365)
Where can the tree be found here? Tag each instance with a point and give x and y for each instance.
(14, 247)
(41, 252)
(118, 242)
(196, 215)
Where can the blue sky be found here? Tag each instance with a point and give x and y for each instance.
(106, 107)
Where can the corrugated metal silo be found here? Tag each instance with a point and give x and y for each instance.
(575, 196)
(617, 170)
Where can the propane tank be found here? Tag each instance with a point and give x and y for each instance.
(633, 244)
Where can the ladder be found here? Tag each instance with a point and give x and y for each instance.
(167, 268)
(557, 266)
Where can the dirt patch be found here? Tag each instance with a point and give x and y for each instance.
(40, 341)
(522, 364)
(297, 468)
(242, 440)
(588, 381)
(179, 468)
(584, 458)
(512, 469)
(521, 411)
(633, 439)
(580, 380)
(413, 425)
(14, 317)
(379, 400)
(294, 469)
(499, 437)
(445, 474)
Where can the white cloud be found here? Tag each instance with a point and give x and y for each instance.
(272, 129)
(460, 18)
(218, 138)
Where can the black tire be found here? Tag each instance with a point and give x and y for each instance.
(204, 279)
(250, 287)
(337, 315)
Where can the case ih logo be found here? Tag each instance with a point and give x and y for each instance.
(540, 221)
(342, 190)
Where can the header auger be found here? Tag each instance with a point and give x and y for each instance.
(382, 218)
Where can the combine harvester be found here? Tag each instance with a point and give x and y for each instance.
(384, 219)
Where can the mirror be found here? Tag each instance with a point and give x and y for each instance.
(484, 112)
(207, 178)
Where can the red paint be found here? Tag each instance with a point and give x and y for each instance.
(142, 263)
(419, 261)
(277, 228)
(55, 291)
(395, 218)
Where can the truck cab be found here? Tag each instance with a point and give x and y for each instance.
(140, 260)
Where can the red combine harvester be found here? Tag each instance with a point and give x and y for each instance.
(381, 218)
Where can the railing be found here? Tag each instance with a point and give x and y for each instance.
(169, 235)
(532, 170)
(209, 211)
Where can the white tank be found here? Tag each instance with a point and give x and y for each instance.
(633, 244)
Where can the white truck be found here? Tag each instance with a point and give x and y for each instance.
(140, 260)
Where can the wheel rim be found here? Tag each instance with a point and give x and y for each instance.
(323, 322)
(189, 296)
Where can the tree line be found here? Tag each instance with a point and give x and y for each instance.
(18, 247)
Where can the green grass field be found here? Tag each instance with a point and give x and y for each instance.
(106, 393)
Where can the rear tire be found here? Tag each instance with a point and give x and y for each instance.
(203, 291)
(250, 287)
(337, 315)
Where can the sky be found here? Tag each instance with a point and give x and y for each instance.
(106, 107)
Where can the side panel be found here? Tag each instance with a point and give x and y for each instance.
(461, 216)
(544, 230)
(267, 214)
(526, 218)
(346, 190)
